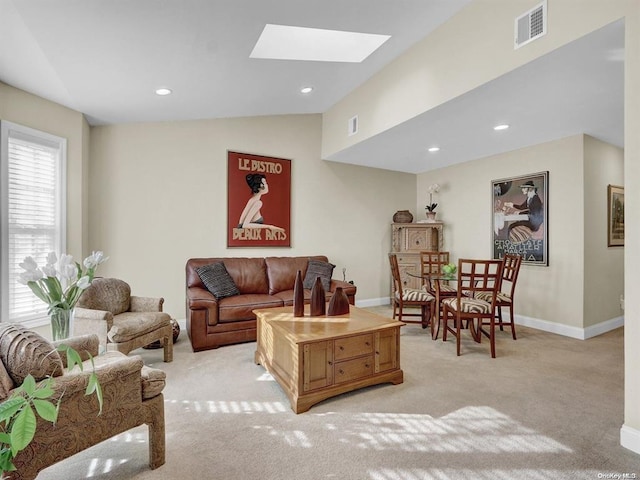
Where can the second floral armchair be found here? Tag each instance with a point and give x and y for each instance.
(122, 321)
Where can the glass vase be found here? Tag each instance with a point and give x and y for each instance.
(61, 323)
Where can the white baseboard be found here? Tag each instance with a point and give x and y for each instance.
(538, 324)
(630, 438)
(569, 331)
(373, 302)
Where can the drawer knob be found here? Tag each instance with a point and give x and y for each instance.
(330, 362)
(341, 347)
(341, 372)
(367, 344)
(366, 365)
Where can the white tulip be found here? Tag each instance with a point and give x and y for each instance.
(95, 259)
(52, 258)
(49, 270)
(29, 264)
(84, 282)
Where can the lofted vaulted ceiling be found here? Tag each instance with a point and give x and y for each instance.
(105, 59)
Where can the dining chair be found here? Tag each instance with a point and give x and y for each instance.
(404, 297)
(504, 297)
(431, 263)
(475, 277)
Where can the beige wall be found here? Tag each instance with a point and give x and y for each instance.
(158, 196)
(31, 111)
(585, 278)
(603, 265)
(553, 293)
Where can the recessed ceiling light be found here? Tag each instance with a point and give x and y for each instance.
(284, 42)
(163, 91)
(306, 89)
(434, 149)
(504, 126)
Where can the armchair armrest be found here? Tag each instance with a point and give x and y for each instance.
(108, 371)
(98, 322)
(83, 344)
(146, 304)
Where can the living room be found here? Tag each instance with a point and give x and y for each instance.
(152, 195)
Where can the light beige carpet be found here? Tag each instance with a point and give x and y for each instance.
(548, 407)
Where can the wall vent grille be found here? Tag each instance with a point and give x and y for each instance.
(353, 125)
(531, 26)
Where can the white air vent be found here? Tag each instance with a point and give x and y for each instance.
(353, 125)
(531, 25)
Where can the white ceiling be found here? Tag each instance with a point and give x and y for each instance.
(106, 58)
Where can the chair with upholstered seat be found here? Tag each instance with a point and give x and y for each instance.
(507, 290)
(431, 263)
(122, 321)
(475, 278)
(404, 297)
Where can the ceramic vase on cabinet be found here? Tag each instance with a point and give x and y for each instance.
(318, 299)
(403, 216)
(298, 296)
(339, 303)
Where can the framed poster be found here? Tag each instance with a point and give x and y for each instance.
(520, 213)
(258, 201)
(615, 216)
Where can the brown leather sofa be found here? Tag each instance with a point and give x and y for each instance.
(263, 283)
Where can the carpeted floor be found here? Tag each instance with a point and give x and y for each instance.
(548, 407)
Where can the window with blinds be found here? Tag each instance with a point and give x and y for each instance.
(33, 213)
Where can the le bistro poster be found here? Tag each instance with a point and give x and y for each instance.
(258, 201)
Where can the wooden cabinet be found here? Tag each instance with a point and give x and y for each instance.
(314, 358)
(407, 240)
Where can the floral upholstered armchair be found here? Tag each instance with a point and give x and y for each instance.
(122, 321)
(132, 396)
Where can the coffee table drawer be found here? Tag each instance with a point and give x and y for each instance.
(355, 346)
(353, 369)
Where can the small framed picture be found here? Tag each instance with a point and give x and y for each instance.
(615, 216)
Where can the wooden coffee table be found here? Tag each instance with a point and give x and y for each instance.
(315, 358)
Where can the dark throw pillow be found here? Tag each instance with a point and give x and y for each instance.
(217, 280)
(317, 268)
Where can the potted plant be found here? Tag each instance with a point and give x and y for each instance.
(59, 284)
(431, 206)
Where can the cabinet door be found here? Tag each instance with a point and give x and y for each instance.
(317, 365)
(409, 263)
(414, 237)
(386, 350)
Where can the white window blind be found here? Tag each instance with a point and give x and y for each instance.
(33, 213)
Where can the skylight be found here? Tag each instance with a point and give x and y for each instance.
(281, 42)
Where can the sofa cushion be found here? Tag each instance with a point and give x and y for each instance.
(107, 294)
(241, 307)
(282, 272)
(24, 352)
(317, 268)
(217, 280)
(130, 325)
